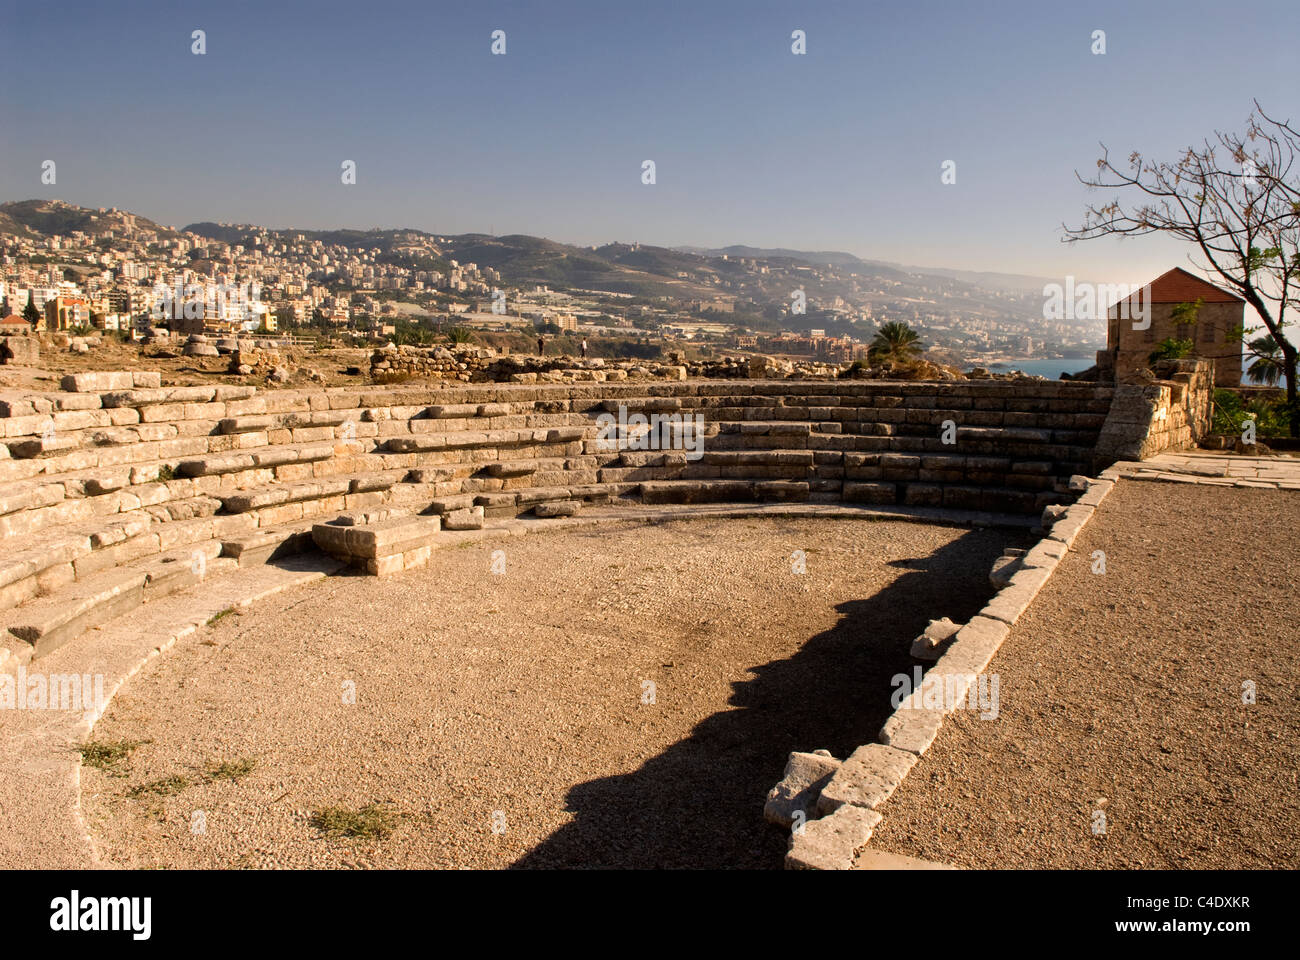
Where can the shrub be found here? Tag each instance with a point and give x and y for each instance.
(1271, 416)
(1170, 348)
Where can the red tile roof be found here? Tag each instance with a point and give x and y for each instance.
(1179, 286)
(14, 318)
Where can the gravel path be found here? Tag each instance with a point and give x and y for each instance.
(522, 693)
(1122, 693)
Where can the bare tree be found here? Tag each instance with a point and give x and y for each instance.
(1236, 198)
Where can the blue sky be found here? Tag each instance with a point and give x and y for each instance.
(838, 149)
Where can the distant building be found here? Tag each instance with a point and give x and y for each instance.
(63, 313)
(1216, 335)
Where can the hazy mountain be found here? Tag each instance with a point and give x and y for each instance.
(986, 279)
(643, 270)
(47, 218)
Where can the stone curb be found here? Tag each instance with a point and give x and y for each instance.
(852, 796)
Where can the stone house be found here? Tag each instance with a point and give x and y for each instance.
(1216, 335)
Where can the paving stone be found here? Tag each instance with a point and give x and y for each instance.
(805, 775)
(831, 842)
(867, 778)
(1046, 553)
(1097, 492)
(911, 728)
(1013, 599)
(1068, 527)
(871, 859)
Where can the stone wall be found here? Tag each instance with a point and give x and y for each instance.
(437, 363)
(1173, 412)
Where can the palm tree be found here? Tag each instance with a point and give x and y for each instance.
(895, 342)
(1267, 368)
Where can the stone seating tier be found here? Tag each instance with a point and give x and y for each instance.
(97, 481)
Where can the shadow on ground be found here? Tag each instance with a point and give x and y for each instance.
(699, 804)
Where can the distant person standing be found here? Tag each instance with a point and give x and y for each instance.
(541, 346)
(584, 349)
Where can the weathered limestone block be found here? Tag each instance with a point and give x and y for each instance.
(938, 632)
(974, 647)
(696, 491)
(558, 508)
(805, 775)
(1068, 527)
(1097, 491)
(1045, 553)
(912, 728)
(467, 518)
(881, 493)
(1013, 599)
(377, 540)
(25, 351)
(50, 623)
(99, 381)
(867, 778)
(832, 842)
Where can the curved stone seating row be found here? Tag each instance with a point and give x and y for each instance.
(99, 488)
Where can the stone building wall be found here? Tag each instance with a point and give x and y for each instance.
(1212, 338)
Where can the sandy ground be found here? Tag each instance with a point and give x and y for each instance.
(1122, 693)
(499, 719)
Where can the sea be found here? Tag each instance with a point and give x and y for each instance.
(1052, 369)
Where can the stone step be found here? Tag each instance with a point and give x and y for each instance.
(952, 496)
(381, 548)
(265, 457)
(283, 493)
(269, 544)
(696, 491)
(141, 397)
(181, 567)
(513, 503)
(513, 468)
(49, 623)
(40, 448)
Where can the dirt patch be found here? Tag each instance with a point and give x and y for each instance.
(502, 720)
(330, 363)
(1122, 693)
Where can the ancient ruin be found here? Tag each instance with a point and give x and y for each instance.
(118, 492)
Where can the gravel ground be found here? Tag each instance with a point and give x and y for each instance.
(1122, 693)
(499, 719)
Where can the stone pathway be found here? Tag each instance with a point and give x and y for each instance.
(1214, 469)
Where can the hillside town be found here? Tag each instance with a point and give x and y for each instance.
(67, 268)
